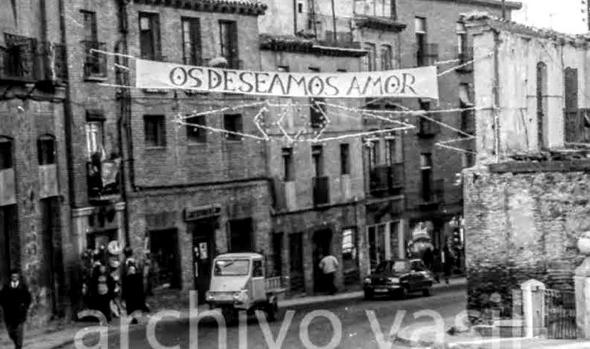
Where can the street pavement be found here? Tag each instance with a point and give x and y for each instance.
(363, 325)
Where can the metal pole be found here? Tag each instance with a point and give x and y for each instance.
(334, 21)
(504, 9)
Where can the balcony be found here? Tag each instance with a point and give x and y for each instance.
(426, 54)
(428, 128)
(386, 180)
(465, 56)
(95, 64)
(321, 190)
(104, 181)
(26, 60)
(432, 197)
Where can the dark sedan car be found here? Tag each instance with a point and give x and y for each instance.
(398, 277)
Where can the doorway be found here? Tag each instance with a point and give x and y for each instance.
(51, 265)
(166, 264)
(9, 247)
(203, 251)
(322, 240)
(296, 276)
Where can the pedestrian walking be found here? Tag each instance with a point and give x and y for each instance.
(329, 265)
(15, 299)
(447, 262)
(437, 264)
(133, 291)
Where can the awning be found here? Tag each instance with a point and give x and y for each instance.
(464, 96)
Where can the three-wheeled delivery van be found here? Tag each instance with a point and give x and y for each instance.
(238, 282)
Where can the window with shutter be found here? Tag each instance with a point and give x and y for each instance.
(191, 41)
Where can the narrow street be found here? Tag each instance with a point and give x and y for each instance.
(357, 331)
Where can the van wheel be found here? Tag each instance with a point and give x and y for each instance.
(368, 295)
(229, 315)
(427, 292)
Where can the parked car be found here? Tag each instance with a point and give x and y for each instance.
(398, 278)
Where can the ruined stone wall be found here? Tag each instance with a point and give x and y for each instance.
(520, 226)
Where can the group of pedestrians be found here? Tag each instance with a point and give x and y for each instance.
(104, 290)
(440, 262)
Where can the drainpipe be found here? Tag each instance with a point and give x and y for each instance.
(496, 92)
(124, 96)
(295, 17)
(334, 21)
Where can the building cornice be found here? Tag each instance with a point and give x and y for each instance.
(294, 44)
(510, 5)
(379, 23)
(241, 7)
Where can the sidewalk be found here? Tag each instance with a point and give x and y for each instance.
(56, 338)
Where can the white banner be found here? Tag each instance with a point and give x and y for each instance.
(416, 82)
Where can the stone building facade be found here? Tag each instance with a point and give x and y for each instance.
(435, 35)
(192, 193)
(34, 196)
(526, 200)
(318, 186)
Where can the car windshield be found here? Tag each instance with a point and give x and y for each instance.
(232, 267)
(393, 267)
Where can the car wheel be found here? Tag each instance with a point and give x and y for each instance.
(403, 293)
(427, 292)
(368, 295)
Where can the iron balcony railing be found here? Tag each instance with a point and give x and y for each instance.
(433, 195)
(95, 64)
(465, 60)
(426, 54)
(25, 59)
(386, 180)
(321, 190)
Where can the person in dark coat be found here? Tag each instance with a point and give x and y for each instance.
(15, 299)
(133, 291)
(447, 261)
(428, 258)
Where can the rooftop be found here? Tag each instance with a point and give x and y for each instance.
(245, 7)
(483, 19)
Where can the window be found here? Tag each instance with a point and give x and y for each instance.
(371, 57)
(5, 153)
(194, 133)
(149, 36)
(191, 41)
(155, 130)
(461, 39)
(541, 103)
(391, 151)
(300, 7)
(257, 270)
(89, 24)
(287, 164)
(94, 137)
(228, 32)
(393, 13)
(467, 117)
(427, 126)
(46, 150)
(373, 153)
(317, 109)
(233, 124)
(94, 62)
(318, 161)
(426, 172)
(386, 57)
(232, 267)
(344, 159)
(420, 28)
(241, 235)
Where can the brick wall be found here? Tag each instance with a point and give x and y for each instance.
(520, 226)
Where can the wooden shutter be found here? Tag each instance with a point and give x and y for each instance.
(195, 35)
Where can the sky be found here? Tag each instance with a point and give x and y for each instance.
(568, 16)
